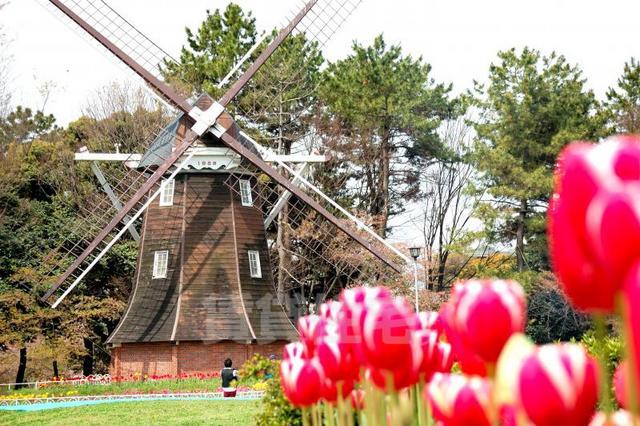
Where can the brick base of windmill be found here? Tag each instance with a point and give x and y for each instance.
(184, 358)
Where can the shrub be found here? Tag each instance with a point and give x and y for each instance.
(258, 368)
(612, 345)
(276, 409)
(551, 317)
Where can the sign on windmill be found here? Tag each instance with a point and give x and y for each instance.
(203, 200)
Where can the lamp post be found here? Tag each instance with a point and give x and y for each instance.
(415, 253)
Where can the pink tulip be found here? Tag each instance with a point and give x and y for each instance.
(558, 384)
(387, 334)
(486, 313)
(457, 400)
(302, 381)
(594, 224)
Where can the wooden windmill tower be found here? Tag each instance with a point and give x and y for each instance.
(201, 199)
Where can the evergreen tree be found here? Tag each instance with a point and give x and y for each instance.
(219, 43)
(623, 102)
(384, 109)
(532, 107)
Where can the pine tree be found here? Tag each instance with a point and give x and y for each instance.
(532, 107)
(623, 102)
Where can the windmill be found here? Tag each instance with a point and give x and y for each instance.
(202, 198)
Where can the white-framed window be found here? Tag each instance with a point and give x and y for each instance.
(166, 195)
(254, 264)
(245, 193)
(160, 262)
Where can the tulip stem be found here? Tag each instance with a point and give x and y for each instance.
(631, 385)
(603, 360)
(305, 417)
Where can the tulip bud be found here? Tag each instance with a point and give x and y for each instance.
(457, 400)
(387, 334)
(294, 350)
(429, 320)
(558, 384)
(594, 226)
(329, 356)
(403, 374)
(311, 329)
(436, 355)
(357, 399)
(331, 310)
(469, 362)
(302, 381)
(486, 313)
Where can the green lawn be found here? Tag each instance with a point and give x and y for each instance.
(150, 386)
(141, 413)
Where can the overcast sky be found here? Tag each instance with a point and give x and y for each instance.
(459, 38)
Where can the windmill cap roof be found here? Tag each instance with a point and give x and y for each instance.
(162, 146)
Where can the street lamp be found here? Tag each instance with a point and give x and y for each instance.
(415, 253)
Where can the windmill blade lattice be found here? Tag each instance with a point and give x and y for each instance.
(133, 187)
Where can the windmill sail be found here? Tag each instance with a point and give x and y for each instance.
(102, 225)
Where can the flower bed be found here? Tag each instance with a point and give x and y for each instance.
(371, 353)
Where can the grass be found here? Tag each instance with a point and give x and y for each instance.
(159, 386)
(136, 413)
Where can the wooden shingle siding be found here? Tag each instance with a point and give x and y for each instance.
(208, 294)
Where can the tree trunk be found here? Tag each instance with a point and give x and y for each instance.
(442, 264)
(522, 214)
(282, 241)
(56, 373)
(282, 238)
(383, 193)
(22, 367)
(87, 361)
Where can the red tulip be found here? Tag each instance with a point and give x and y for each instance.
(330, 389)
(311, 329)
(486, 313)
(457, 400)
(331, 310)
(330, 357)
(357, 399)
(558, 384)
(429, 320)
(594, 227)
(436, 355)
(387, 334)
(294, 350)
(302, 381)
(355, 304)
(620, 388)
(631, 302)
(619, 418)
(403, 374)
(470, 363)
